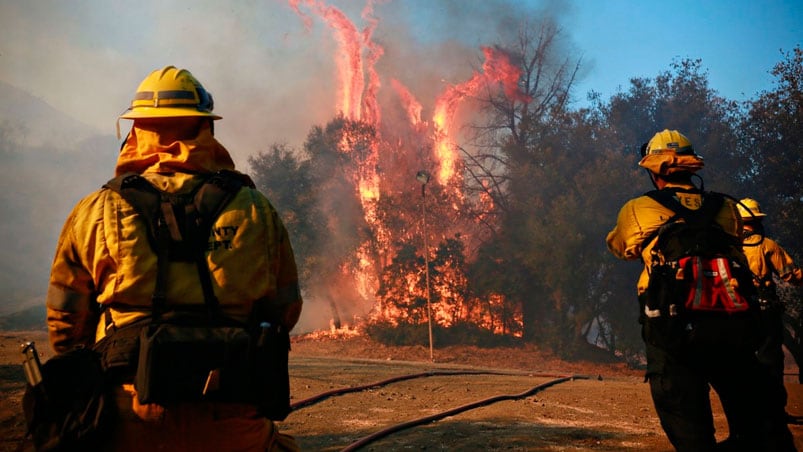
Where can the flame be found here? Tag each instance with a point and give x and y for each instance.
(365, 280)
(357, 100)
(496, 311)
(411, 105)
(445, 108)
(497, 68)
(307, 20)
(372, 113)
(334, 332)
(349, 58)
(486, 201)
(358, 86)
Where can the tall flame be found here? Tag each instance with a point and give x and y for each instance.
(370, 105)
(358, 87)
(349, 58)
(411, 105)
(357, 102)
(497, 68)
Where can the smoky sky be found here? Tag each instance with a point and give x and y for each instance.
(271, 78)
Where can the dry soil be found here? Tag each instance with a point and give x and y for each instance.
(494, 397)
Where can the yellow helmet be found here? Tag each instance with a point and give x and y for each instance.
(170, 92)
(747, 206)
(668, 152)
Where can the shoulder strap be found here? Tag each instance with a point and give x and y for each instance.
(147, 202)
(667, 199)
(214, 194)
(711, 204)
(200, 209)
(142, 196)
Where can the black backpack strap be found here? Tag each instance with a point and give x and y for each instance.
(213, 196)
(191, 226)
(143, 197)
(667, 199)
(209, 201)
(711, 204)
(146, 201)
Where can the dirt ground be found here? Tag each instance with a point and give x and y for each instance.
(605, 407)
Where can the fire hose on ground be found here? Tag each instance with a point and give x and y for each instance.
(438, 416)
(432, 373)
(451, 412)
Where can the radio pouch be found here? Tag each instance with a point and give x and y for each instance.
(185, 363)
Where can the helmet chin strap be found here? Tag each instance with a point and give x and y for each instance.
(652, 178)
(122, 143)
(702, 183)
(643, 152)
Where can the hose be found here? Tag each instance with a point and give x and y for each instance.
(435, 417)
(335, 392)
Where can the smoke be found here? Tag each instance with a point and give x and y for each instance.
(272, 78)
(446, 70)
(272, 72)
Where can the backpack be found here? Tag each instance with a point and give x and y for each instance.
(196, 353)
(700, 290)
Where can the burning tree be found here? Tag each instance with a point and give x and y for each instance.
(362, 166)
(523, 188)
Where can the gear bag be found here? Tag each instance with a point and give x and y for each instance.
(699, 293)
(186, 355)
(67, 402)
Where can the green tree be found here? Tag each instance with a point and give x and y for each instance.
(285, 178)
(772, 134)
(773, 146)
(517, 160)
(680, 99)
(512, 122)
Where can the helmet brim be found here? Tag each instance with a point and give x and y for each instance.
(166, 112)
(670, 163)
(755, 215)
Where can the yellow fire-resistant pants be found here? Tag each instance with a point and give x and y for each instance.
(203, 426)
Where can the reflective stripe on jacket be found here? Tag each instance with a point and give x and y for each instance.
(641, 217)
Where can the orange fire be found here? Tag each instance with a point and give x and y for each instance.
(411, 105)
(349, 64)
(497, 68)
(371, 112)
(359, 84)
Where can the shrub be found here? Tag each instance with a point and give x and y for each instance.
(418, 334)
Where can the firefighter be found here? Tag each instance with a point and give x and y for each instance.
(679, 381)
(767, 259)
(103, 273)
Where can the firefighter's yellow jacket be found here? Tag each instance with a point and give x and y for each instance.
(103, 255)
(766, 258)
(642, 216)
